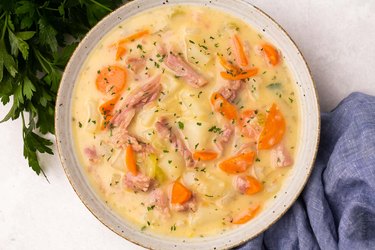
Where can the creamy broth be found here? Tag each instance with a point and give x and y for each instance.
(185, 121)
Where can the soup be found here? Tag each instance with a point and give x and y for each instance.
(185, 120)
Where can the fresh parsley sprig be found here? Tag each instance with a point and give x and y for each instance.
(34, 50)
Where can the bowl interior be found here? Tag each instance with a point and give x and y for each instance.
(308, 136)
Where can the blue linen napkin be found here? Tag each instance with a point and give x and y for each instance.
(336, 210)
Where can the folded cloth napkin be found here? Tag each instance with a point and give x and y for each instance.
(336, 210)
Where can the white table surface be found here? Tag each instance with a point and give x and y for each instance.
(337, 38)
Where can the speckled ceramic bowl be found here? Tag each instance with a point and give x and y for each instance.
(307, 146)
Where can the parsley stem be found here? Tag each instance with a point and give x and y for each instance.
(101, 5)
(40, 58)
(5, 27)
(23, 124)
(48, 8)
(1, 17)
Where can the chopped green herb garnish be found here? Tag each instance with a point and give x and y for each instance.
(150, 208)
(215, 129)
(275, 85)
(180, 125)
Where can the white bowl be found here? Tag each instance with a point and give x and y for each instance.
(307, 145)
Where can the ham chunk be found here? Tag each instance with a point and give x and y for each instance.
(138, 182)
(91, 153)
(250, 126)
(190, 205)
(122, 138)
(224, 137)
(137, 64)
(182, 69)
(280, 156)
(231, 89)
(166, 131)
(240, 184)
(160, 200)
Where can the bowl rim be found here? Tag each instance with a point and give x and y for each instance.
(66, 168)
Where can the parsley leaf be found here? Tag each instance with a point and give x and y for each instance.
(214, 129)
(180, 125)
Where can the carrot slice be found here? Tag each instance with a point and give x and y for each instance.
(237, 164)
(105, 122)
(271, 53)
(240, 76)
(254, 185)
(248, 216)
(274, 129)
(106, 110)
(111, 79)
(121, 50)
(107, 107)
(130, 160)
(180, 194)
(134, 36)
(240, 51)
(204, 155)
(228, 66)
(221, 105)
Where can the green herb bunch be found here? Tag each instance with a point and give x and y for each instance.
(34, 49)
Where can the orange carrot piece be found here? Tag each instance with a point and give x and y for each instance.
(134, 36)
(237, 164)
(180, 194)
(274, 129)
(228, 66)
(107, 107)
(248, 216)
(130, 160)
(221, 105)
(271, 53)
(254, 185)
(204, 155)
(240, 76)
(121, 50)
(240, 51)
(105, 122)
(111, 79)
(106, 110)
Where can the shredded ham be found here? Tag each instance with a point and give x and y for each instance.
(280, 156)
(137, 64)
(251, 128)
(139, 182)
(182, 69)
(190, 205)
(91, 153)
(166, 131)
(241, 184)
(231, 89)
(160, 200)
(224, 137)
(125, 114)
